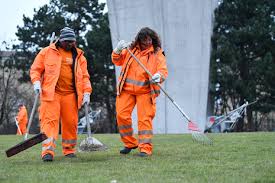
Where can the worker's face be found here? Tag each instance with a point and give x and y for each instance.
(67, 45)
(145, 43)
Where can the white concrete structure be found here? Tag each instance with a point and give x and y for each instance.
(185, 28)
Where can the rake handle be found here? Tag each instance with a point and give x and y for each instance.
(161, 88)
(87, 120)
(17, 124)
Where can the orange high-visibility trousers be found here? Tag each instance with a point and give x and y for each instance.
(65, 109)
(23, 128)
(22, 119)
(146, 109)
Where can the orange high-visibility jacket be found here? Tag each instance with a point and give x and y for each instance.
(22, 118)
(155, 62)
(48, 63)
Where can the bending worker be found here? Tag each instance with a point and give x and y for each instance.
(22, 120)
(64, 88)
(136, 87)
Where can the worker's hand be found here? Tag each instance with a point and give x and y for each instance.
(120, 46)
(86, 98)
(37, 87)
(156, 78)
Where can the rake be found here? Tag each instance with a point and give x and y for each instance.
(17, 125)
(90, 143)
(197, 134)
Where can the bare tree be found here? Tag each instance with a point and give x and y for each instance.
(12, 92)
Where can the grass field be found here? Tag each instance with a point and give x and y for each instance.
(234, 157)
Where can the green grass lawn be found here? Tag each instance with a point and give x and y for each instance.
(234, 157)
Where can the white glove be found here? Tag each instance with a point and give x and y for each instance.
(156, 78)
(120, 46)
(86, 98)
(37, 87)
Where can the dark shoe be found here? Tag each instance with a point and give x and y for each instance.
(143, 154)
(127, 150)
(47, 157)
(72, 155)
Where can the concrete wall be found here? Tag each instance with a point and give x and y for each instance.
(185, 28)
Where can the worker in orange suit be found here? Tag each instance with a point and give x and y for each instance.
(135, 87)
(59, 74)
(22, 120)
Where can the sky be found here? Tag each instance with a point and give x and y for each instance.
(11, 13)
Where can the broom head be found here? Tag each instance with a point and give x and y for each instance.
(26, 144)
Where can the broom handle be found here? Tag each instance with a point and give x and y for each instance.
(31, 117)
(87, 120)
(162, 89)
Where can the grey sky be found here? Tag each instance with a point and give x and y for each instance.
(11, 13)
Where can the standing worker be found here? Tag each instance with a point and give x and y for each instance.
(59, 73)
(22, 120)
(136, 87)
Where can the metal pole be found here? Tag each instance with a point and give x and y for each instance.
(87, 121)
(148, 72)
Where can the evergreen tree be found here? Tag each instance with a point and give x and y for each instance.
(91, 26)
(243, 55)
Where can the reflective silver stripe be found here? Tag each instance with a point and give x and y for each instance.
(50, 148)
(49, 140)
(145, 132)
(144, 140)
(126, 134)
(69, 141)
(138, 83)
(122, 127)
(155, 92)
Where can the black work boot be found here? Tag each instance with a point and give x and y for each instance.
(143, 154)
(47, 158)
(72, 155)
(127, 150)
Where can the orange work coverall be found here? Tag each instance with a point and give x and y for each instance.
(59, 101)
(22, 119)
(134, 87)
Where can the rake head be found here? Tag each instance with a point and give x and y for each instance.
(201, 138)
(197, 135)
(91, 144)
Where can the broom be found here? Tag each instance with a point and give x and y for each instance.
(197, 135)
(90, 143)
(27, 143)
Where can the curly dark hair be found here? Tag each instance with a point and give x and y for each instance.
(142, 34)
